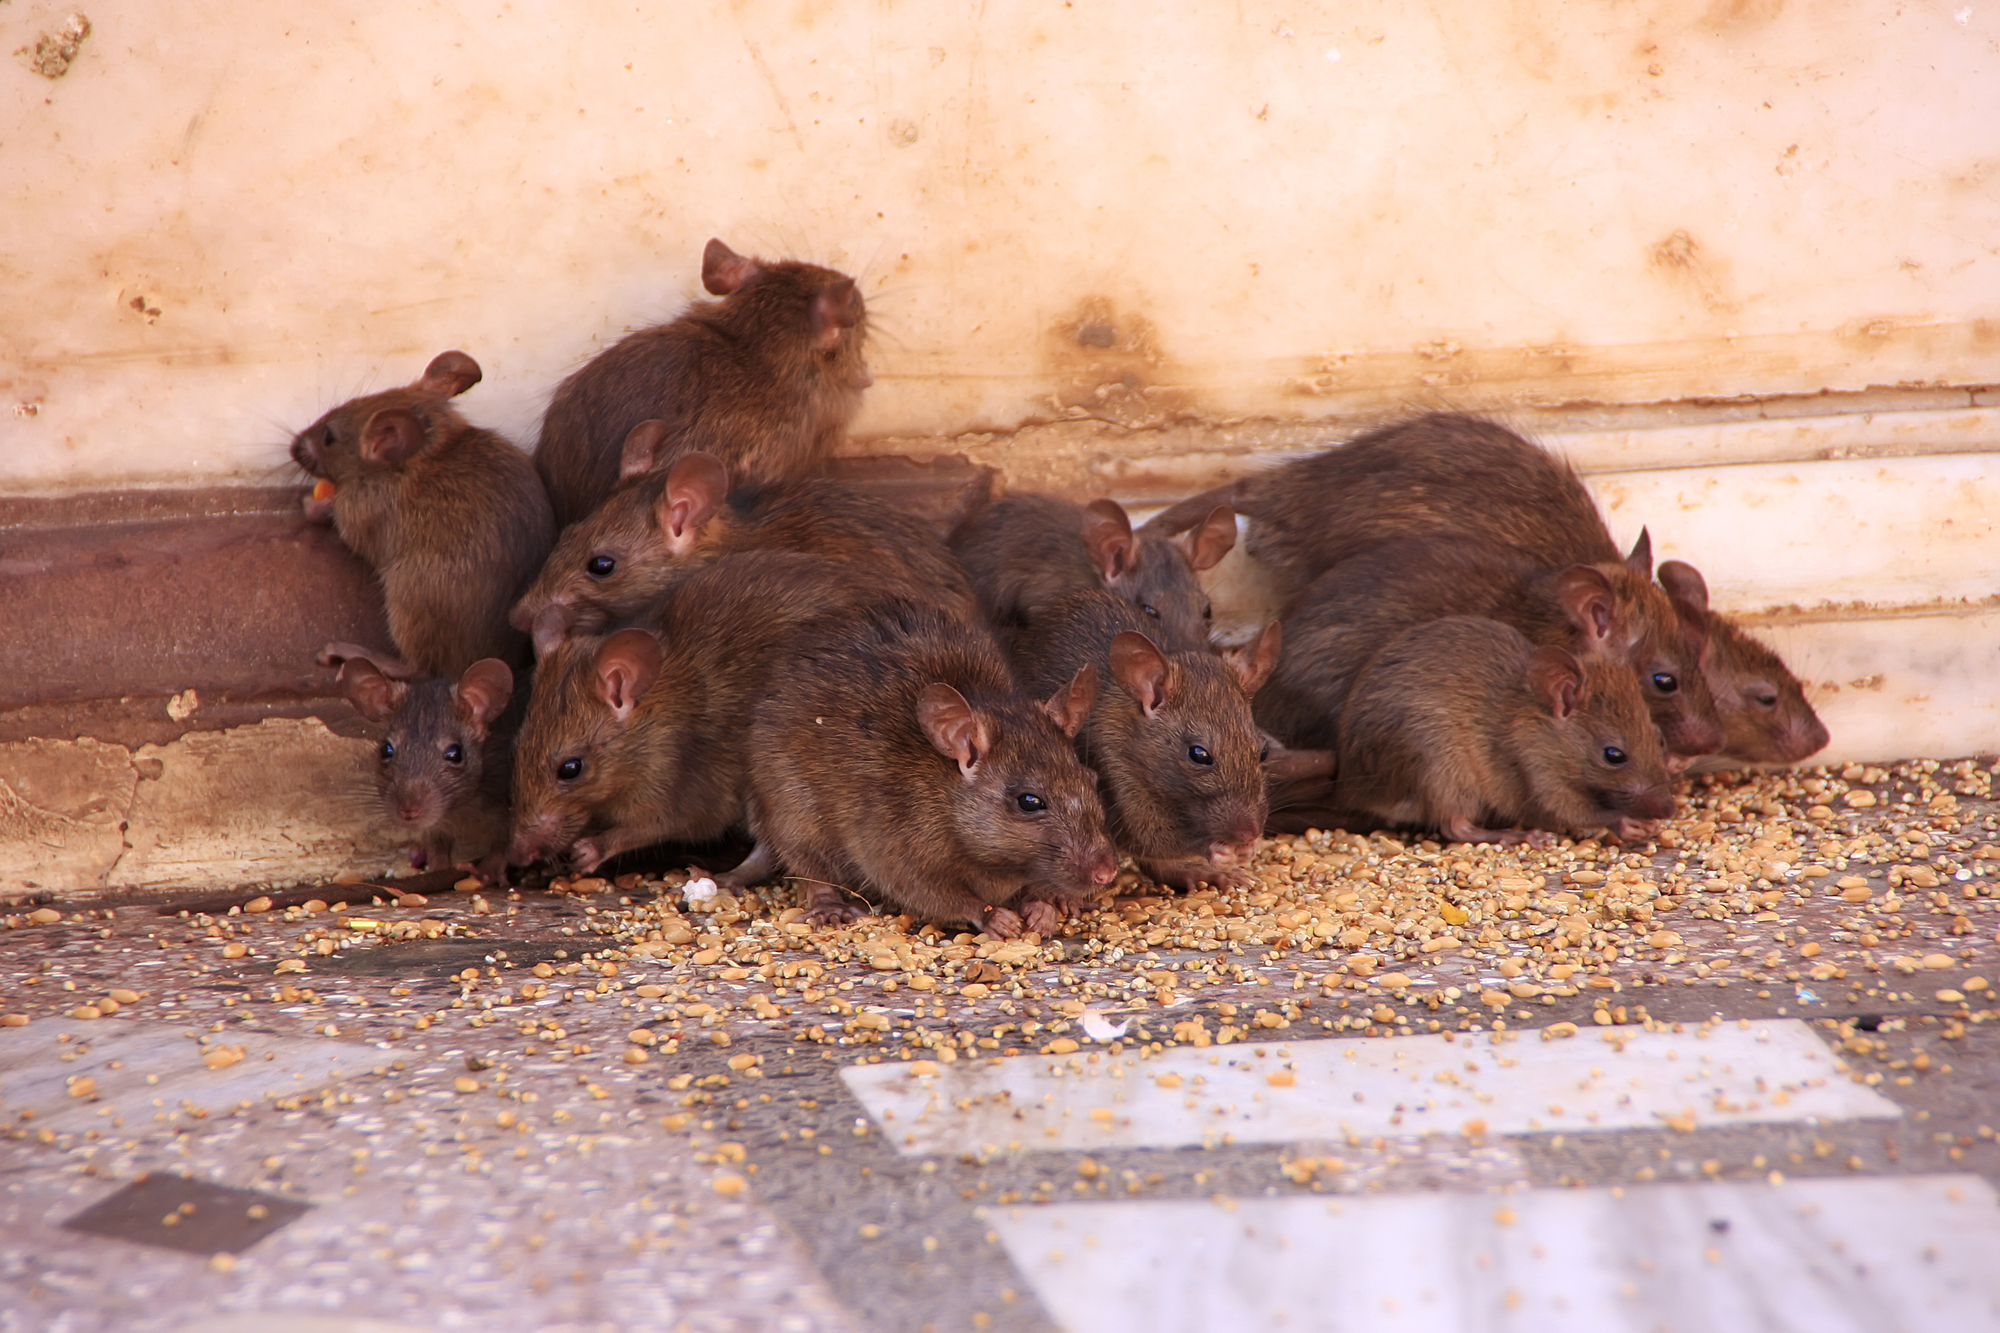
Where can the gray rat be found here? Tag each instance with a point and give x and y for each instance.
(767, 379)
(656, 526)
(1178, 756)
(896, 754)
(452, 517)
(1024, 553)
(443, 765)
(1463, 726)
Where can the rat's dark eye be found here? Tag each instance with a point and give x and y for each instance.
(454, 754)
(1665, 683)
(1149, 610)
(1030, 803)
(569, 770)
(1200, 755)
(388, 751)
(1613, 755)
(1766, 699)
(1208, 611)
(600, 566)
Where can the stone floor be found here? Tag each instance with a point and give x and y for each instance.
(1742, 1078)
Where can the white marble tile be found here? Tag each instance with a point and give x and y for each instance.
(143, 1070)
(1909, 1254)
(1612, 1078)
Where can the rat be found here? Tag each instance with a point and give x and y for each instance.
(767, 379)
(637, 737)
(895, 753)
(452, 517)
(654, 527)
(1766, 718)
(1026, 552)
(1453, 473)
(1178, 756)
(1611, 610)
(444, 762)
(1463, 726)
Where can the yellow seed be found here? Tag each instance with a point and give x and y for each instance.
(506, 1120)
(235, 949)
(1557, 1031)
(636, 1056)
(1101, 1114)
(1504, 1216)
(1860, 800)
(86, 1011)
(1060, 1046)
(641, 1037)
(45, 916)
(729, 1185)
(1393, 981)
(82, 1087)
(1809, 951)
(124, 996)
(465, 1084)
(107, 1006)
(223, 1056)
(1281, 1078)
(743, 1061)
(257, 905)
(1950, 996)
(1168, 1080)
(1936, 962)
(222, 1263)
(647, 992)
(975, 990)
(13, 1020)
(869, 1231)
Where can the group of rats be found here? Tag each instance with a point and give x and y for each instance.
(667, 626)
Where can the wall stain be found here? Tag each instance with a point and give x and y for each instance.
(1107, 366)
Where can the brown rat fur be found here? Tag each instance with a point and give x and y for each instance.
(895, 753)
(655, 527)
(1608, 610)
(445, 760)
(1025, 553)
(1461, 725)
(1177, 754)
(452, 517)
(767, 379)
(637, 737)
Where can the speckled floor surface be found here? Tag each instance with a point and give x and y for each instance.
(613, 1105)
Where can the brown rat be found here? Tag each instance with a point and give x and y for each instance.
(1024, 553)
(444, 763)
(656, 526)
(895, 753)
(767, 379)
(1766, 718)
(1178, 757)
(452, 517)
(1611, 610)
(1461, 725)
(1443, 473)
(636, 737)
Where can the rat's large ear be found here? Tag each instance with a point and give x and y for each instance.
(641, 447)
(1107, 536)
(449, 374)
(1556, 681)
(1142, 671)
(392, 435)
(723, 271)
(1586, 598)
(1069, 707)
(1254, 662)
(627, 665)
(954, 729)
(374, 695)
(1205, 545)
(1688, 591)
(695, 489)
(1640, 561)
(835, 310)
(482, 692)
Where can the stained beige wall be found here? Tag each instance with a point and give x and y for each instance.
(227, 215)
